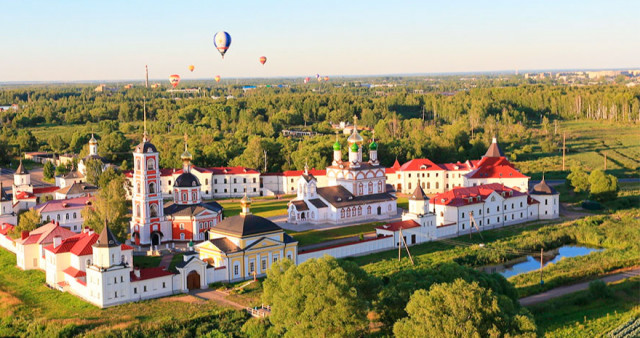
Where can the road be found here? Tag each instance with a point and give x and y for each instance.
(217, 297)
(563, 290)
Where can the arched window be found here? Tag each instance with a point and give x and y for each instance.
(88, 262)
(75, 215)
(370, 187)
(369, 210)
(67, 216)
(409, 187)
(360, 186)
(348, 212)
(441, 214)
(151, 164)
(182, 236)
(138, 213)
(437, 185)
(138, 189)
(181, 226)
(138, 164)
(206, 181)
(379, 186)
(58, 216)
(194, 195)
(359, 211)
(184, 196)
(428, 185)
(153, 210)
(48, 219)
(152, 188)
(341, 213)
(353, 211)
(422, 184)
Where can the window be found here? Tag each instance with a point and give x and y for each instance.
(151, 164)
(428, 185)
(116, 294)
(498, 208)
(244, 180)
(520, 215)
(341, 213)
(138, 213)
(88, 262)
(437, 184)
(135, 290)
(181, 226)
(488, 210)
(236, 190)
(145, 288)
(182, 236)
(115, 280)
(520, 204)
(138, 187)
(275, 258)
(263, 265)
(236, 181)
(152, 188)
(75, 215)
(348, 212)
(58, 216)
(215, 181)
(169, 182)
(153, 210)
(251, 266)
(546, 201)
(121, 277)
(462, 215)
(462, 226)
(369, 210)
(184, 196)
(409, 185)
(164, 285)
(66, 216)
(235, 269)
(206, 181)
(254, 180)
(512, 207)
(138, 164)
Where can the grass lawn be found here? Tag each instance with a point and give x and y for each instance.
(177, 258)
(28, 307)
(146, 261)
(318, 236)
(582, 315)
(264, 208)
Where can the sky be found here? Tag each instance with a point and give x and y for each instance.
(114, 40)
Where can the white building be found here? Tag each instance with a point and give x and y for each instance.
(356, 191)
(548, 199)
(7, 214)
(30, 246)
(93, 155)
(68, 213)
(286, 182)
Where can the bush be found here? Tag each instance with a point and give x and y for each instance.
(591, 205)
(599, 289)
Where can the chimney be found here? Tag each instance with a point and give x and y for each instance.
(136, 271)
(57, 240)
(90, 231)
(85, 230)
(24, 234)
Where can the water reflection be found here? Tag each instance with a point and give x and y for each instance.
(530, 263)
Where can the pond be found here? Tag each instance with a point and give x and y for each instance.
(531, 263)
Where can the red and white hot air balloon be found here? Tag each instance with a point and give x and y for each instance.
(263, 60)
(217, 78)
(306, 80)
(174, 80)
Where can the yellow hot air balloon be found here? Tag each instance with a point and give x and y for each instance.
(217, 78)
(191, 68)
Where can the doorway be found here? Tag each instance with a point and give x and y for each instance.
(193, 280)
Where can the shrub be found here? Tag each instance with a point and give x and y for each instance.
(599, 289)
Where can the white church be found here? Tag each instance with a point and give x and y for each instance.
(356, 189)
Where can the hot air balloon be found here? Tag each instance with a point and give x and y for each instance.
(174, 80)
(317, 76)
(326, 78)
(217, 78)
(263, 60)
(319, 79)
(222, 41)
(191, 68)
(306, 79)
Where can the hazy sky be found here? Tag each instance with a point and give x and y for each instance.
(111, 40)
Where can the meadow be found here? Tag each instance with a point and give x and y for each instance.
(587, 143)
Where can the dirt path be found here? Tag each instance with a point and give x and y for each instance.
(166, 261)
(217, 297)
(563, 290)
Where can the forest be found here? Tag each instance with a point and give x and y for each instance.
(444, 119)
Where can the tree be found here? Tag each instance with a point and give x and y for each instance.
(109, 205)
(320, 297)
(603, 186)
(462, 309)
(93, 170)
(113, 145)
(578, 179)
(58, 144)
(48, 170)
(125, 165)
(28, 221)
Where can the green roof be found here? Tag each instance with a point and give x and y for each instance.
(354, 147)
(337, 146)
(373, 146)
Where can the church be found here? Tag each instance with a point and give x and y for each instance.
(356, 189)
(186, 218)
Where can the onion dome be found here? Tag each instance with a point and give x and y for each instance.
(186, 180)
(355, 137)
(373, 145)
(354, 147)
(93, 140)
(543, 188)
(246, 199)
(337, 146)
(186, 156)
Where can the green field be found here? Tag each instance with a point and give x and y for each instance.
(582, 315)
(30, 308)
(587, 143)
(264, 208)
(318, 236)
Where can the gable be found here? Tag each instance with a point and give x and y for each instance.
(263, 242)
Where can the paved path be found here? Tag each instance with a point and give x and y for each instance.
(166, 261)
(218, 297)
(563, 290)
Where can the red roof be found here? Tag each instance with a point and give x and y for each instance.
(45, 234)
(420, 164)
(149, 273)
(296, 173)
(394, 168)
(531, 201)
(73, 272)
(68, 204)
(496, 167)
(79, 245)
(44, 190)
(125, 247)
(5, 228)
(469, 195)
(24, 195)
(396, 226)
(458, 166)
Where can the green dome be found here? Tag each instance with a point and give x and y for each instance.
(354, 147)
(337, 146)
(373, 146)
